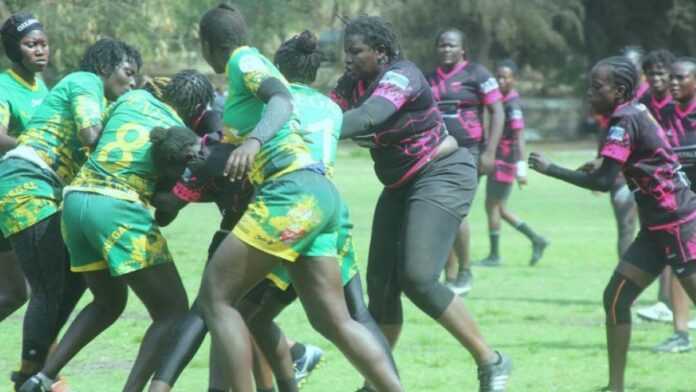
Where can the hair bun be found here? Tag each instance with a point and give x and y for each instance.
(307, 42)
(228, 7)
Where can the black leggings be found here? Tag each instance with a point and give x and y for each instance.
(412, 233)
(54, 289)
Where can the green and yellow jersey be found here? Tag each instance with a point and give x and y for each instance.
(75, 103)
(320, 122)
(246, 70)
(121, 164)
(18, 101)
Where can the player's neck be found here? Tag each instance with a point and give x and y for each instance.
(659, 95)
(26, 75)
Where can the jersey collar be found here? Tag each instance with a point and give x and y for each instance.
(457, 68)
(689, 108)
(18, 79)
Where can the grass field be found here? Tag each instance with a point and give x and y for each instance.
(549, 319)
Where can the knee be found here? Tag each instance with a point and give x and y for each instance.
(428, 295)
(110, 308)
(618, 299)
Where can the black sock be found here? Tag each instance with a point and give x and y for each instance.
(287, 385)
(297, 351)
(527, 231)
(683, 334)
(494, 238)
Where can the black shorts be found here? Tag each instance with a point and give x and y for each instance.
(5, 245)
(651, 251)
(448, 183)
(496, 190)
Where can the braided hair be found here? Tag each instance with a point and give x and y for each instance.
(171, 146)
(658, 57)
(376, 33)
(223, 26)
(156, 85)
(105, 55)
(189, 92)
(298, 58)
(14, 29)
(624, 74)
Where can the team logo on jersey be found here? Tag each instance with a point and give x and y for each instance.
(616, 133)
(489, 85)
(395, 79)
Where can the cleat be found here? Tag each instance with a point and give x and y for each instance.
(491, 261)
(18, 378)
(538, 247)
(494, 376)
(37, 383)
(461, 285)
(311, 359)
(677, 343)
(658, 312)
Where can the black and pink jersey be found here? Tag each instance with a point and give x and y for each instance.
(409, 138)
(641, 90)
(205, 182)
(508, 152)
(655, 105)
(651, 168)
(462, 94)
(679, 124)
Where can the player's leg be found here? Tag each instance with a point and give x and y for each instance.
(680, 340)
(640, 265)
(13, 287)
(234, 269)
(162, 292)
(43, 258)
(383, 291)
(318, 284)
(493, 206)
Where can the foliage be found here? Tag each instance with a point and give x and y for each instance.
(554, 41)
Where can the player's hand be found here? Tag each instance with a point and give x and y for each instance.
(241, 159)
(487, 163)
(590, 166)
(538, 162)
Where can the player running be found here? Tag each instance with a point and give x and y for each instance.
(125, 248)
(292, 219)
(23, 90)
(48, 154)
(463, 90)
(509, 167)
(638, 146)
(428, 186)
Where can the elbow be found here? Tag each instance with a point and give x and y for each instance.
(603, 185)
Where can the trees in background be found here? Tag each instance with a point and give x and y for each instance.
(553, 39)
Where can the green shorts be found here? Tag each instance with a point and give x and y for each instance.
(104, 232)
(293, 215)
(346, 254)
(28, 195)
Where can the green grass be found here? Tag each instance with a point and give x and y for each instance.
(549, 319)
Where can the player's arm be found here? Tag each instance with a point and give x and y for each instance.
(167, 207)
(495, 132)
(361, 120)
(277, 113)
(599, 180)
(7, 142)
(521, 164)
(87, 114)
